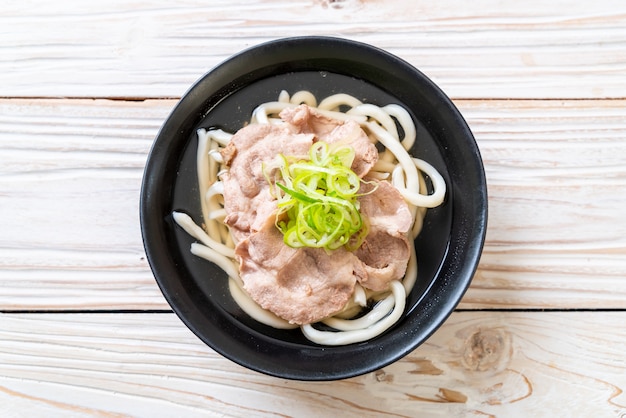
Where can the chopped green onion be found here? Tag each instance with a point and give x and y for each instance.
(317, 198)
(296, 195)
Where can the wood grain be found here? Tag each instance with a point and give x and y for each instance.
(556, 174)
(70, 173)
(489, 49)
(84, 88)
(497, 364)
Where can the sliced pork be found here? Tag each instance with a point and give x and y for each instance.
(308, 284)
(301, 285)
(247, 198)
(386, 209)
(386, 250)
(308, 120)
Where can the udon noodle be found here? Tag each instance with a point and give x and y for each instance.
(368, 313)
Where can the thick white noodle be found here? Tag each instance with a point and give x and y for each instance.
(405, 121)
(215, 189)
(218, 214)
(250, 307)
(358, 335)
(377, 175)
(304, 97)
(202, 164)
(335, 101)
(409, 169)
(283, 96)
(223, 262)
(384, 166)
(219, 136)
(359, 296)
(421, 200)
(184, 221)
(216, 156)
(378, 312)
(439, 184)
(419, 211)
(260, 114)
(406, 176)
(410, 276)
(377, 113)
(207, 172)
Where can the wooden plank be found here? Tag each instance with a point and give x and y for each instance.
(70, 172)
(478, 364)
(104, 48)
(70, 175)
(556, 174)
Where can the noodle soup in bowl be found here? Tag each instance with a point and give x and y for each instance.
(314, 208)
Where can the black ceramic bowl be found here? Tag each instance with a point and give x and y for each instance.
(448, 247)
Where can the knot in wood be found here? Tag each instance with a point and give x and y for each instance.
(382, 376)
(486, 350)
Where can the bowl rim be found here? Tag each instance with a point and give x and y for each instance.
(469, 218)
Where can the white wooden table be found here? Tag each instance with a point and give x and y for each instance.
(84, 87)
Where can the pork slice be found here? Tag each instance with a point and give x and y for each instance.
(245, 215)
(365, 153)
(308, 120)
(301, 285)
(385, 208)
(386, 250)
(247, 198)
(384, 257)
